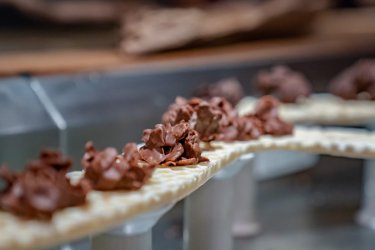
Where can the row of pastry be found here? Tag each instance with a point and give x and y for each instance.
(188, 127)
(356, 82)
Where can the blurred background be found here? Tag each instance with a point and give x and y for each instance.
(78, 70)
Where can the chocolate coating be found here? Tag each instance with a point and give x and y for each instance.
(41, 189)
(216, 119)
(356, 82)
(230, 89)
(283, 83)
(180, 110)
(249, 127)
(264, 121)
(209, 118)
(107, 170)
(168, 145)
(267, 111)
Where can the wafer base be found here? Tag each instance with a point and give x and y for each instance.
(321, 109)
(106, 210)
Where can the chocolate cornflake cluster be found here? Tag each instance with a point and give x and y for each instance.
(107, 170)
(208, 118)
(264, 121)
(230, 89)
(283, 83)
(168, 145)
(356, 82)
(42, 188)
(266, 111)
(216, 119)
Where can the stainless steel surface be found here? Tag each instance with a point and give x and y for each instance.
(234, 168)
(245, 221)
(133, 234)
(52, 111)
(25, 126)
(82, 244)
(208, 214)
(366, 215)
(311, 210)
(119, 242)
(269, 165)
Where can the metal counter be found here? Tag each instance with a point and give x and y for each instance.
(25, 126)
(113, 108)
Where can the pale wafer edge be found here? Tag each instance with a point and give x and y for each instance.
(106, 210)
(353, 143)
(320, 108)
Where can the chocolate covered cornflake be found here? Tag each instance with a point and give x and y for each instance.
(283, 83)
(266, 110)
(356, 82)
(107, 170)
(264, 121)
(41, 189)
(216, 119)
(171, 145)
(230, 89)
(208, 118)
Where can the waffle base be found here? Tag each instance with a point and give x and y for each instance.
(322, 109)
(106, 210)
